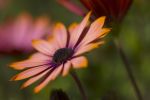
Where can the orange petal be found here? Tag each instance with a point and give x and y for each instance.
(74, 36)
(51, 77)
(87, 48)
(72, 27)
(79, 62)
(34, 79)
(43, 47)
(66, 69)
(35, 60)
(104, 32)
(28, 73)
(94, 31)
(39, 57)
(53, 42)
(60, 34)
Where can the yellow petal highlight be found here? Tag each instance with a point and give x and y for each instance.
(17, 66)
(79, 62)
(72, 27)
(60, 34)
(101, 20)
(104, 32)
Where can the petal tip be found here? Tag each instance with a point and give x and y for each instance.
(34, 41)
(103, 17)
(89, 14)
(15, 66)
(12, 65)
(36, 90)
(22, 87)
(58, 24)
(14, 78)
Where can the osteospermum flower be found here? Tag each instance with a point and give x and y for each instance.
(61, 52)
(115, 10)
(16, 35)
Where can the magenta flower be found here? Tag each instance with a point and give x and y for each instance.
(16, 35)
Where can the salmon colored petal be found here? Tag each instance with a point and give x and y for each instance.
(51, 77)
(92, 37)
(66, 69)
(34, 79)
(88, 48)
(104, 32)
(79, 62)
(72, 27)
(57, 72)
(28, 73)
(60, 34)
(74, 36)
(39, 57)
(43, 47)
(94, 30)
(35, 60)
(53, 42)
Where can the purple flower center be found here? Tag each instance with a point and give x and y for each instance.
(62, 55)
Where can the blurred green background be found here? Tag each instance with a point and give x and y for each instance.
(105, 78)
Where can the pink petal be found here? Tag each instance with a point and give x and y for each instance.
(38, 30)
(51, 77)
(94, 31)
(60, 34)
(53, 42)
(66, 69)
(87, 48)
(34, 79)
(40, 57)
(29, 72)
(74, 36)
(71, 6)
(79, 62)
(21, 27)
(35, 60)
(43, 47)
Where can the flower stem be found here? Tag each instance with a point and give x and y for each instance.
(127, 66)
(78, 83)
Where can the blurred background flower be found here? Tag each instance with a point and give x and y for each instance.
(4, 3)
(16, 35)
(113, 9)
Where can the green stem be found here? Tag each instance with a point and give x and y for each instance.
(78, 82)
(127, 66)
